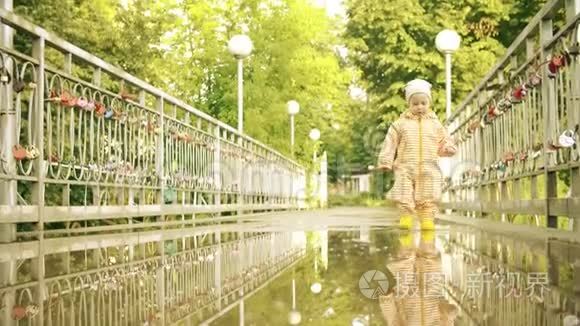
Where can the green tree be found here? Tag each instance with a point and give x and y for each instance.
(392, 42)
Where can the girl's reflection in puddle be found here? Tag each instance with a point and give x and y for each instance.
(417, 299)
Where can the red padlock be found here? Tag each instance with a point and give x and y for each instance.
(19, 152)
(519, 93)
(18, 312)
(67, 100)
(100, 109)
(493, 111)
(508, 157)
(555, 63)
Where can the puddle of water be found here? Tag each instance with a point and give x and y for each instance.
(455, 276)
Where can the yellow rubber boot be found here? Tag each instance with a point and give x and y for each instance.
(406, 240)
(406, 222)
(427, 236)
(427, 224)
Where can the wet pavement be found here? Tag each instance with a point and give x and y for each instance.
(363, 270)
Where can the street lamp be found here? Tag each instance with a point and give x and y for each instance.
(447, 42)
(293, 109)
(314, 134)
(240, 46)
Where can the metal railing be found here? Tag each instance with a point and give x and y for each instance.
(501, 281)
(518, 128)
(93, 160)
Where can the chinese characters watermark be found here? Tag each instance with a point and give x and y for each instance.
(475, 285)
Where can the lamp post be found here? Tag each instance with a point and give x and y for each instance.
(314, 135)
(447, 42)
(293, 109)
(240, 46)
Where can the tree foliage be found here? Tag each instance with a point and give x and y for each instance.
(181, 46)
(392, 42)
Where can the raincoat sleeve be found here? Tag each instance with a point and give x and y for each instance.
(447, 146)
(389, 148)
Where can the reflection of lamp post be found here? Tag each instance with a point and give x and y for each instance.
(241, 47)
(294, 317)
(316, 287)
(293, 109)
(447, 42)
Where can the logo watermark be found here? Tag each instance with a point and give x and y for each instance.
(373, 283)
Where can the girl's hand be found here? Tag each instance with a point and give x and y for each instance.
(383, 168)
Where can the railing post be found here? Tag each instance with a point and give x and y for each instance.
(549, 112)
(572, 9)
(159, 168)
(7, 187)
(39, 188)
(217, 201)
(66, 189)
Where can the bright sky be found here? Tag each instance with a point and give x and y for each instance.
(333, 7)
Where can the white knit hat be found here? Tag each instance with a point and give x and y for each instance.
(417, 86)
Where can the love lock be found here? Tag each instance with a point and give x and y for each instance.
(552, 147)
(100, 109)
(109, 113)
(534, 154)
(82, 102)
(535, 79)
(66, 99)
(90, 106)
(519, 94)
(508, 157)
(488, 119)
(555, 63)
(502, 166)
(481, 122)
(19, 152)
(32, 152)
(18, 312)
(32, 310)
(19, 85)
(169, 195)
(5, 77)
(504, 104)
(567, 139)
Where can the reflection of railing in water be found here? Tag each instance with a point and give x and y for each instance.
(512, 127)
(489, 279)
(94, 160)
(194, 282)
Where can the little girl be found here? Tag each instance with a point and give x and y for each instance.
(411, 149)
